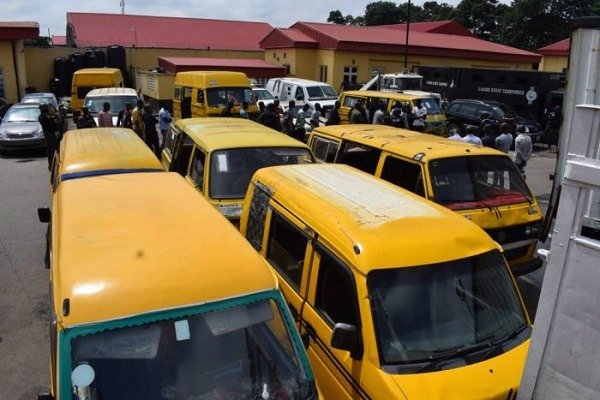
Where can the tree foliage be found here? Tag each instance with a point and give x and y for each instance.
(526, 24)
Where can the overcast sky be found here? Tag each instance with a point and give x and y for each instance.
(51, 14)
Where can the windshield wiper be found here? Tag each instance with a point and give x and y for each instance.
(497, 347)
(435, 360)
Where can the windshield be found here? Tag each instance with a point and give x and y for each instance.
(263, 95)
(321, 92)
(422, 312)
(462, 183)
(221, 96)
(239, 352)
(117, 103)
(22, 114)
(40, 98)
(431, 105)
(231, 170)
(408, 83)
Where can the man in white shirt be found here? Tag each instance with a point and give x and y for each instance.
(471, 136)
(523, 149)
(419, 113)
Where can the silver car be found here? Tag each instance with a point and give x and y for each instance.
(20, 128)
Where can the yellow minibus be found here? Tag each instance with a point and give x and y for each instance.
(435, 122)
(396, 296)
(479, 183)
(86, 79)
(101, 151)
(155, 296)
(206, 93)
(219, 155)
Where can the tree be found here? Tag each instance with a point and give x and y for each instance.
(416, 12)
(480, 16)
(382, 13)
(336, 17)
(432, 11)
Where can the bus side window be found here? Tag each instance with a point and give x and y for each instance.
(325, 150)
(197, 169)
(404, 174)
(287, 248)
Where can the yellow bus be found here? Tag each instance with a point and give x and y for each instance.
(206, 93)
(219, 155)
(155, 296)
(86, 79)
(398, 297)
(101, 151)
(435, 122)
(479, 183)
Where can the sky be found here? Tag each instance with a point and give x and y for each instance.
(51, 15)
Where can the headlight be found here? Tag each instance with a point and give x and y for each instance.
(233, 210)
(2, 134)
(38, 132)
(533, 229)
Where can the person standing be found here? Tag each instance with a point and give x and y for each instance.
(471, 136)
(85, 120)
(49, 128)
(299, 128)
(124, 117)
(553, 126)
(226, 112)
(244, 110)
(164, 122)
(315, 120)
(505, 139)
(523, 149)
(419, 113)
(288, 119)
(334, 115)
(379, 114)
(105, 116)
(150, 133)
(270, 119)
(137, 121)
(397, 117)
(456, 136)
(356, 115)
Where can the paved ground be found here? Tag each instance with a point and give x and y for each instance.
(24, 343)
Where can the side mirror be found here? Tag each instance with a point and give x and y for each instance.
(44, 214)
(44, 396)
(345, 337)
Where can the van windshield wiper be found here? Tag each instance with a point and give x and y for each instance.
(435, 360)
(498, 347)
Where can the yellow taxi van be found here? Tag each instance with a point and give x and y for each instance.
(435, 122)
(219, 155)
(206, 93)
(86, 79)
(388, 310)
(479, 183)
(101, 151)
(155, 296)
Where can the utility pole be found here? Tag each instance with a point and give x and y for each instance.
(122, 4)
(406, 44)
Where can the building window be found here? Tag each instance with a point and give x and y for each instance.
(284, 56)
(287, 69)
(274, 55)
(323, 73)
(350, 74)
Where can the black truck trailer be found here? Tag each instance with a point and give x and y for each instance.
(526, 91)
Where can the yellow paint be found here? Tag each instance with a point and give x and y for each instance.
(193, 86)
(405, 144)
(434, 122)
(87, 79)
(554, 63)
(210, 135)
(13, 70)
(371, 225)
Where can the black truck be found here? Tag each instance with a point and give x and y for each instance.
(527, 92)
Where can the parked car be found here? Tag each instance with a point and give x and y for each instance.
(20, 128)
(462, 112)
(38, 98)
(117, 97)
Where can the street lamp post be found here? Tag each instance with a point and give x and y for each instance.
(406, 44)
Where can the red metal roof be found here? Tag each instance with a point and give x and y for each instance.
(252, 67)
(59, 40)
(102, 30)
(448, 27)
(19, 30)
(557, 49)
(288, 37)
(386, 40)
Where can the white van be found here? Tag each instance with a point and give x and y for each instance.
(303, 91)
(117, 97)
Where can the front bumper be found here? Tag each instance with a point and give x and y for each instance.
(27, 143)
